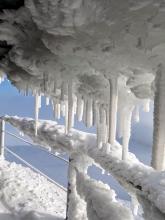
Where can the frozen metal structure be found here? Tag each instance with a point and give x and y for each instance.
(92, 59)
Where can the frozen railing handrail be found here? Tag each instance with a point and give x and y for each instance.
(134, 176)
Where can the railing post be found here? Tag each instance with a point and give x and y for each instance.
(2, 138)
(69, 187)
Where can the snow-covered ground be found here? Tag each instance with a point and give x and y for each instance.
(26, 195)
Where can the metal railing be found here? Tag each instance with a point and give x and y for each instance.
(4, 148)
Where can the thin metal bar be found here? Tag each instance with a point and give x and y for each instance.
(2, 137)
(34, 145)
(35, 169)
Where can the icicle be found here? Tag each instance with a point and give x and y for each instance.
(99, 141)
(58, 112)
(135, 205)
(47, 101)
(89, 113)
(63, 90)
(57, 154)
(21, 134)
(103, 125)
(84, 110)
(39, 101)
(126, 131)
(63, 109)
(75, 105)
(37, 104)
(146, 106)
(102, 171)
(80, 108)
(66, 117)
(70, 106)
(136, 114)
(113, 100)
(94, 114)
(121, 120)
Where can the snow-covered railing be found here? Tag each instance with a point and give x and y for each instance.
(136, 177)
(75, 200)
(133, 175)
(4, 148)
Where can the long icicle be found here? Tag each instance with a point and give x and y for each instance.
(37, 106)
(126, 132)
(158, 150)
(99, 139)
(84, 110)
(136, 114)
(89, 113)
(113, 84)
(47, 101)
(80, 108)
(121, 119)
(103, 124)
(146, 106)
(63, 108)
(70, 106)
(66, 116)
(58, 110)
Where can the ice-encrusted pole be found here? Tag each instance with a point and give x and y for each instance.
(2, 138)
(158, 150)
(74, 206)
(113, 84)
(70, 106)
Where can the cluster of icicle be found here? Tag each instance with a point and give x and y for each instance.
(92, 113)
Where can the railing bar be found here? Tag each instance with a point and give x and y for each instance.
(35, 145)
(35, 169)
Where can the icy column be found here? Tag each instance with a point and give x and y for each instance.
(103, 124)
(70, 106)
(113, 109)
(121, 120)
(126, 132)
(89, 113)
(37, 107)
(158, 151)
(66, 117)
(80, 108)
(58, 110)
(136, 114)
(99, 138)
(47, 101)
(74, 202)
(146, 106)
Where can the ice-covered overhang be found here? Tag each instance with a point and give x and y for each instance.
(11, 4)
(88, 42)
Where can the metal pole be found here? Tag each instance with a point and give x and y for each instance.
(2, 138)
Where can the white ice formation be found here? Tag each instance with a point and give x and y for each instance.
(96, 60)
